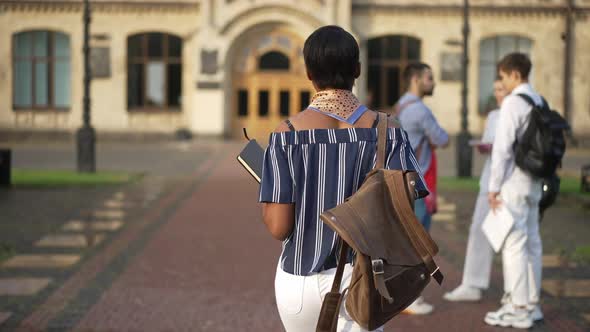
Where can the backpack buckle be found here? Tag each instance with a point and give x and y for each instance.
(377, 265)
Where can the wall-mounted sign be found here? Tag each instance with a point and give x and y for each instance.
(451, 66)
(208, 62)
(100, 62)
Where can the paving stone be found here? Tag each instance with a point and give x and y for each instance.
(119, 195)
(70, 240)
(450, 227)
(41, 261)
(109, 214)
(77, 225)
(444, 216)
(447, 207)
(115, 204)
(567, 287)
(22, 286)
(552, 261)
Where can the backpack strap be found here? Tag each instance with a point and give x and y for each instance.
(328, 320)
(531, 102)
(419, 238)
(340, 268)
(381, 140)
(527, 98)
(418, 150)
(290, 125)
(376, 122)
(545, 103)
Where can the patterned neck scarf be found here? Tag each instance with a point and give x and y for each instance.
(339, 104)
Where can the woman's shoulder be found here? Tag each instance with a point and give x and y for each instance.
(282, 127)
(392, 122)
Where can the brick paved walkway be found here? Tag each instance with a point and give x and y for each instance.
(199, 259)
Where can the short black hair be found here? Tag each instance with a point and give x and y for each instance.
(519, 62)
(331, 56)
(414, 69)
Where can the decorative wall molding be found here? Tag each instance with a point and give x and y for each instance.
(475, 10)
(102, 6)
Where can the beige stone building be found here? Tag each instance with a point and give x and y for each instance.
(215, 66)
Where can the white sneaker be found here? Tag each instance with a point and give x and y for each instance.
(535, 312)
(419, 307)
(509, 316)
(463, 293)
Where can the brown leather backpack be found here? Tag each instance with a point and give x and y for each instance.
(393, 262)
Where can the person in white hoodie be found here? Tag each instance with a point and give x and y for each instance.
(513, 189)
(479, 254)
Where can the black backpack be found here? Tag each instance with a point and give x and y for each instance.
(542, 146)
(550, 190)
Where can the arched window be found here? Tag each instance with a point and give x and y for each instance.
(154, 71)
(273, 60)
(388, 57)
(41, 70)
(491, 50)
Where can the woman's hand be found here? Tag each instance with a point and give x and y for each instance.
(279, 219)
(494, 200)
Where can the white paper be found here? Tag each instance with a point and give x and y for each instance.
(497, 225)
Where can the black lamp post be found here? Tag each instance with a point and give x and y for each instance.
(464, 151)
(85, 136)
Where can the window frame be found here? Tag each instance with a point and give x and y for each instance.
(384, 64)
(50, 60)
(143, 60)
(519, 41)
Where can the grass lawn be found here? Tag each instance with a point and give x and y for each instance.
(568, 185)
(52, 178)
(6, 251)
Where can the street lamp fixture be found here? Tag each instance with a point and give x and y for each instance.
(464, 151)
(86, 137)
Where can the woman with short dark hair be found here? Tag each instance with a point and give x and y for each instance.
(314, 161)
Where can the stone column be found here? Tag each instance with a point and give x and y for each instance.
(207, 113)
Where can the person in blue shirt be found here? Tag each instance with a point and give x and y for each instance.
(425, 134)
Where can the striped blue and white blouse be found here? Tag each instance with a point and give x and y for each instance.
(317, 170)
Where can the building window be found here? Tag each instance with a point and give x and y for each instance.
(263, 103)
(304, 99)
(41, 70)
(242, 102)
(388, 57)
(273, 60)
(154, 72)
(491, 50)
(284, 101)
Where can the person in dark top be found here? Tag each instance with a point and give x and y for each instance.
(314, 161)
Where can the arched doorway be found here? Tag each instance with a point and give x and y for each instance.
(268, 83)
(388, 56)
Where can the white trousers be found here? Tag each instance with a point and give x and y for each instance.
(479, 255)
(299, 300)
(522, 253)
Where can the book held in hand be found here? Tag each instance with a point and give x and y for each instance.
(497, 225)
(251, 158)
